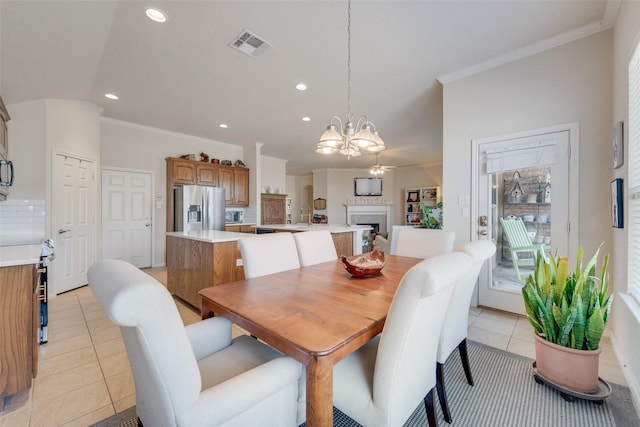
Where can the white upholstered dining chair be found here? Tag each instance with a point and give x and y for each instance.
(270, 253)
(315, 247)
(456, 321)
(195, 375)
(382, 383)
(393, 237)
(422, 242)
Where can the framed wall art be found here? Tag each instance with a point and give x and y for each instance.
(617, 209)
(618, 145)
(413, 196)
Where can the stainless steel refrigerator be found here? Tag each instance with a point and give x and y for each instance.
(198, 208)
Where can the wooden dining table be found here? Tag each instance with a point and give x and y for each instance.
(317, 315)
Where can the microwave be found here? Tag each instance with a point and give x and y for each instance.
(234, 216)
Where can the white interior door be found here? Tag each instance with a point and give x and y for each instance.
(126, 216)
(73, 202)
(527, 177)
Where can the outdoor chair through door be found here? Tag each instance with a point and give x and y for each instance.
(520, 244)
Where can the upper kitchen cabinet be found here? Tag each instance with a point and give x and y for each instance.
(207, 174)
(191, 172)
(181, 171)
(235, 182)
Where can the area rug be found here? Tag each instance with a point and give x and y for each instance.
(505, 395)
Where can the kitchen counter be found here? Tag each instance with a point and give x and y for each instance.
(332, 228)
(209, 236)
(347, 238)
(19, 255)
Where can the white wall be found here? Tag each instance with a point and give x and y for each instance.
(28, 149)
(570, 83)
(131, 146)
(273, 174)
(295, 185)
(38, 130)
(626, 312)
(339, 186)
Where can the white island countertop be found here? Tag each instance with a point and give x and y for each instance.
(19, 255)
(215, 236)
(211, 236)
(332, 228)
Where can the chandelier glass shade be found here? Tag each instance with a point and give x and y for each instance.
(350, 141)
(347, 139)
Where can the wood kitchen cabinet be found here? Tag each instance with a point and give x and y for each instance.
(273, 209)
(240, 228)
(207, 174)
(235, 182)
(233, 179)
(193, 265)
(182, 171)
(19, 314)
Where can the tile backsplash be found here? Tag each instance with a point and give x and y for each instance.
(22, 222)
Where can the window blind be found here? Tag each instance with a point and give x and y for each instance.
(633, 180)
(535, 154)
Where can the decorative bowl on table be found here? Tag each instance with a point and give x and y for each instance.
(369, 264)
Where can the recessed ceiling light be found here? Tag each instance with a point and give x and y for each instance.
(110, 96)
(306, 119)
(301, 86)
(156, 14)
(223, 126)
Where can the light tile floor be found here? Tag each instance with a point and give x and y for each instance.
(84, 374)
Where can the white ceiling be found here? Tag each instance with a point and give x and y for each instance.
(182, 76)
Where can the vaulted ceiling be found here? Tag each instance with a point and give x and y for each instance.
(182, 76)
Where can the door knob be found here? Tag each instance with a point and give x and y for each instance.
(483, 232)
(63, 230)
(147, 225)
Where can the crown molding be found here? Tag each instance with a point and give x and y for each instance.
(604, 24)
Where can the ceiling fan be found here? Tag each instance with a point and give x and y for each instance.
(379, 169)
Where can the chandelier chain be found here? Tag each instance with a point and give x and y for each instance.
(349, 60)
(350, 140)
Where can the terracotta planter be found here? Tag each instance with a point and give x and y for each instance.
(574, 369)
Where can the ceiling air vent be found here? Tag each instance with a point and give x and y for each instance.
(249, 44)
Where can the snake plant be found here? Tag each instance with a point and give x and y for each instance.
(570, 309)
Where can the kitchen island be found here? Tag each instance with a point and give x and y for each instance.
(199, 259)
(347, 238)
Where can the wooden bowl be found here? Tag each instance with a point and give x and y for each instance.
(369, 264)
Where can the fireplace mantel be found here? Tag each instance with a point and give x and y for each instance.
(383, 209)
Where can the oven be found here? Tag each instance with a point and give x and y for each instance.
(46, 254)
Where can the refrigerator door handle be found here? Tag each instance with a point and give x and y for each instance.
(205, 209)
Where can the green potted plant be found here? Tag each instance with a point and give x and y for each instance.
(569, 312)
(432, 217)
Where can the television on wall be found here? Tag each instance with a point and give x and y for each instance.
(368, 186)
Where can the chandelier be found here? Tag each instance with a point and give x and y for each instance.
(347, 139)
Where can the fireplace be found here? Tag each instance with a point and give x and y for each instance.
(375, 227)
(370, 214)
